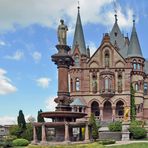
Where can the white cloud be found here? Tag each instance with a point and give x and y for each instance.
(5, 84)
(43, 82)
(37, 56)
(18, 55)
(48, 13)
(92, 47)
(2, 43)
(50, 104)
(7, 120)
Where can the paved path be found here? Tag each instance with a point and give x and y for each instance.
(127, 142)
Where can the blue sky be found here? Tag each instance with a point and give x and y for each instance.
(28, 35)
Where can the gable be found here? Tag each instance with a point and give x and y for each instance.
(98, 58)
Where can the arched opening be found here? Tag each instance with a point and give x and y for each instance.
(119, 83)
(120, 108)
(107, 111)
(71, 85)
(95, 108)
(77, 84)
(106, 59)
(76, 59)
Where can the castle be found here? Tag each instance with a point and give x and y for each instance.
(101, 83)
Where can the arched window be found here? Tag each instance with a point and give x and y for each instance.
(106, 83)
(134, 64)
(76, 59)
(120, 108)
(138, 66)
(145, 88)
(94, 83)
(71, 85)
(119, 83)
(106, 59)
(77, 86)
(136, 87)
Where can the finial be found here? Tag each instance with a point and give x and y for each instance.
(115, 10)
(78, 6)
(134, 16)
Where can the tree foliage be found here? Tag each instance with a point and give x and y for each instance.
(21, 120)
(94, 126)
(133, 107)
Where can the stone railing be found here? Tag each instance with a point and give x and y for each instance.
(107, 92)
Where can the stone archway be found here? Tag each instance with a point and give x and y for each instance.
(120, 108)
(95, 108)
(107, 111)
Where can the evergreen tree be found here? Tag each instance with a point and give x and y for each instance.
(21, 120)
(39, 119)
(94, 127)
(133, 107)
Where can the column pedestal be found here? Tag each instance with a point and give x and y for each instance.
(43, 134)
(34, 136)
(66, 133)
(86, 132)
(125, 132)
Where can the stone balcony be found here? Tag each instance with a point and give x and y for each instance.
(107, 93)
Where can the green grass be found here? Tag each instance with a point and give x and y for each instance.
(133, 145)
(91, 145)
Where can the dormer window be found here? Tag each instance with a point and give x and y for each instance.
(115, 34)
(76, 59)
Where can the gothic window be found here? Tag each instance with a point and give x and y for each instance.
(71, 85)
(136, 87)
(76, 59)
(106, 59)
(95, 108)
(94, 83)
(145, 88)
(77, 84)
(138, 66)
(135, 65)
(119, 83)
(106, 83)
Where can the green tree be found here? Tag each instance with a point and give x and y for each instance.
(39, 119)
(133, 107)
(21, 120)
(94, 127)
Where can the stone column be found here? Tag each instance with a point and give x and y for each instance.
(43, 133)
(66, 132)
(86, 132)
(113, 113)
(101, 113)
(80, 133)
(34, 135)
(125, 132)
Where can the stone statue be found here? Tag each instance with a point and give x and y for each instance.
(94, 84)
(62, 30)
(126, 113)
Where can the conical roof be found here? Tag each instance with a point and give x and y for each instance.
(116, 38)
(134, 49)
(79, 36)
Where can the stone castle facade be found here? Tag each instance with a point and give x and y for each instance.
(101, 83)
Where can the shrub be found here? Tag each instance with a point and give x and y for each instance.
(115, 126)
(20, 142)
(138, 132)
(106, 141)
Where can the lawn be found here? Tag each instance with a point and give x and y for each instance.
(95, 145)
(133, 145)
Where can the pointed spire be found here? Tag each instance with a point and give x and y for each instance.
(79, 36)
(134, 46)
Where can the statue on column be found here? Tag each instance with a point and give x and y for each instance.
(62, 31)
(126, 113)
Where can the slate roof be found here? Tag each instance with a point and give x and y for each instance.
(79, 36)
(134, 46)
(117, 38)
(78, 102)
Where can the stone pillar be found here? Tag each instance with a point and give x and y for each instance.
(125, 132)
(86, 132)
(34, 135)
(66, 132)
(43, 133)
(101, 113)
(113, 113)
(80, 133)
